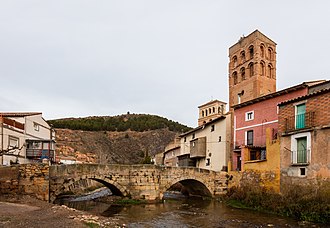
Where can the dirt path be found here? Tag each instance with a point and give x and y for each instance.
(27, 212)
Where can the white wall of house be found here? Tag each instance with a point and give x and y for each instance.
(35, 127)
(215, 146)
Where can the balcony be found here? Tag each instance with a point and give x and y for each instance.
(253, 142)
(40, 149)
(299, 122)
(40, 154)
(300, 157)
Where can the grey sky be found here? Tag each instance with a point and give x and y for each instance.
(75, 58)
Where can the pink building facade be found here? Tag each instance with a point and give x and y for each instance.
(252, 118)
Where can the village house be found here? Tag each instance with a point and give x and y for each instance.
(304, 128)
(205, 146)
(253, 117)
(256, 142)
(24, 138)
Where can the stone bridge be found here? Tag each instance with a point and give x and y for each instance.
(147, 182)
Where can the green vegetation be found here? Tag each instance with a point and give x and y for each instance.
(134, 122)
(308, 203)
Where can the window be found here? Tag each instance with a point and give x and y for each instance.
(235, 61)
(253, 155)
(193, 144)
(302, 150)
(193, 136)
(185, 139)
(208, 162)
(302, 172)
(212, 128)
(242, 56)
(262, 50)
(213, 109)
(219, 138)
(251, 51)
(36, 126)
(269, 71)
(13, 142)
(235, 78)
(251, 69)
(202, 113)
(243, 73)
(249, 116)
(249, 138)
(206, 112)
(270, 53)
(262, 68)
(300, 116)
(257, 155)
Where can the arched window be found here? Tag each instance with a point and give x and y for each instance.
(251, 69)
(251, 51)
(270, 53)
(262, 50)
(202, 113)
(243, 73)
(262, 68)
(242, 56)
(210, 111)
(213, 109)
(234, 61)
(235, 78)
(269, 70)
(206, 112)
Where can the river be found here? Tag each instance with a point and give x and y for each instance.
(184, 212)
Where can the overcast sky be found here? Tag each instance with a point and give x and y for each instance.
(77, 58)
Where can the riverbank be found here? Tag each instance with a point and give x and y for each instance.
(25, 211)
(304, 203)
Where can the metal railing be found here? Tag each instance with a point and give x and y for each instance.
(40, 153)
(300, 157)
(301, 121)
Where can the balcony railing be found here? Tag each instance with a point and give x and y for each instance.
(301, 121)
(300, 157)
(40, 154)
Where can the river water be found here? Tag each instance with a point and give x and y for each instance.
(184, 212)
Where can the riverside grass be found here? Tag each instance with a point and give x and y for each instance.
(306, 203)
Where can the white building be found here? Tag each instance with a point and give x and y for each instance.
(24, 138)
(206, 146)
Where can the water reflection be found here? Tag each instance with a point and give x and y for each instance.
(183, 212)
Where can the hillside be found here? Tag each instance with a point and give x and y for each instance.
(113, 147)
(133, 122)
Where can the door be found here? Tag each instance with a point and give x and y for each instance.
(300, 116)
(302, 150)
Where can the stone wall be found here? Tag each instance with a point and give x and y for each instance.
(31, 179)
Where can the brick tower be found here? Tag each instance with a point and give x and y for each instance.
(252, 68)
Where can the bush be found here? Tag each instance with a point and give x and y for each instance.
(308, 203)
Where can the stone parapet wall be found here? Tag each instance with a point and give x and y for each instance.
(31, 179)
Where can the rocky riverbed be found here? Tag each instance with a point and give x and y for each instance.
(25, 211)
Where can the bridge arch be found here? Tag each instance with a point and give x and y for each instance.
(70, 183)
(193, 186)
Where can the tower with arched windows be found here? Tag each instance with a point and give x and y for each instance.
(252, 68)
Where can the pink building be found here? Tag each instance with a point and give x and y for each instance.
(251, 119)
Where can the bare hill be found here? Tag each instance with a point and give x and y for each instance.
(106, 147)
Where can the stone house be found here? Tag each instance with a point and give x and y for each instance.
(304, 127)
(25, 137)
